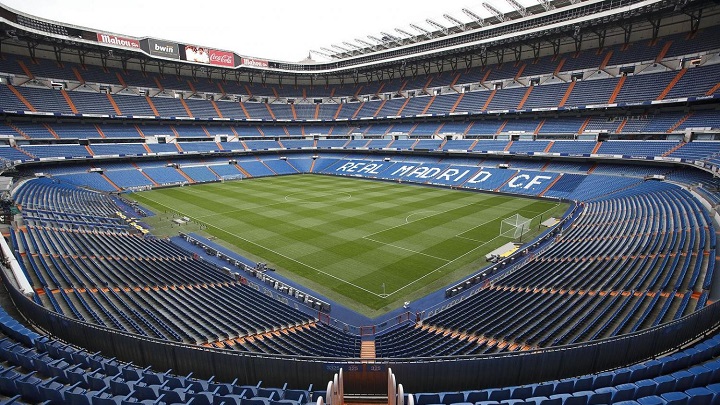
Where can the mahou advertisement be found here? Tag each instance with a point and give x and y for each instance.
(118, 41)
(255, 62)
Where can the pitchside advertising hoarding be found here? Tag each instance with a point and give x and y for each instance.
(201, 54)
(112, 39)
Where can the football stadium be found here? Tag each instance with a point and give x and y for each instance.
(512, 207)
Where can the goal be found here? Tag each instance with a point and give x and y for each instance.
(514, 226)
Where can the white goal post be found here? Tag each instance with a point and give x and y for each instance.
(514, 226)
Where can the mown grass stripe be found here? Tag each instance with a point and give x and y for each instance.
(347, 237)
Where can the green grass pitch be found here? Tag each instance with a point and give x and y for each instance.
(370, 245)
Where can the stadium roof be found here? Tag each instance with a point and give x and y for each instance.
(526, 31)
(303, 28)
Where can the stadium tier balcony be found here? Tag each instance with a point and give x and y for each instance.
(48, 151)
(541, 66)
(701, 119)
(129, 179)
(201, 146)
(91, 103)
(169, 107)
(136, 78)
(546, 95)
(698, 150)
(10, 63)
(443, 103)
(34, 131)
(10, 101)
(230, 109)
(301, 163)
(507, 98)
(257, 111)
(423, 130)
(297, 144)
(573, 147)
(567, 125)
(120, 131)
(403, 128)
(44, 99)
(282, 111)
(636, 148)
(164, 175)
(132, 105)
(119, 149)
(592, 91)
(459, 145)
(347, 111)
(637, 88)
(331, 143)
(255, 168)
(525, 127)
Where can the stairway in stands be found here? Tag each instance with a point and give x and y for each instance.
(367, 349)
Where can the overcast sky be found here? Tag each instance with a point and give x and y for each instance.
(277, 29)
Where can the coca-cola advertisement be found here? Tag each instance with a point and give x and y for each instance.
(117, 41)
(221, 58)
(200, 54)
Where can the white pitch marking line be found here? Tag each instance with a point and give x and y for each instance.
(420, 219)
(442, 266)
(470, 239)
(290, 198)
(459, 257)
(240, 210)
(482, 243)
(277, 253)
(407, 218)
(367, 237)
(266, 205)
(409, 250)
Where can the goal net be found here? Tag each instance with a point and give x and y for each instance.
(515, 226)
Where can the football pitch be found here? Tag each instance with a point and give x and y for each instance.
(370, 245)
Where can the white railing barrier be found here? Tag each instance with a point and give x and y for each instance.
(22, 281)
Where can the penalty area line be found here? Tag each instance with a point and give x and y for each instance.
(406, 249)
(459, 257)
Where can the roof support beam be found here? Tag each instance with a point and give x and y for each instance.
(474, 16)
(379, 41)
(427, 33)
(546, 4)
(695, 17)
(410, 37)
(391, 37)
(455, 22)
(518, 7)
(495, 12)
(442, 28)
(366, 43)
